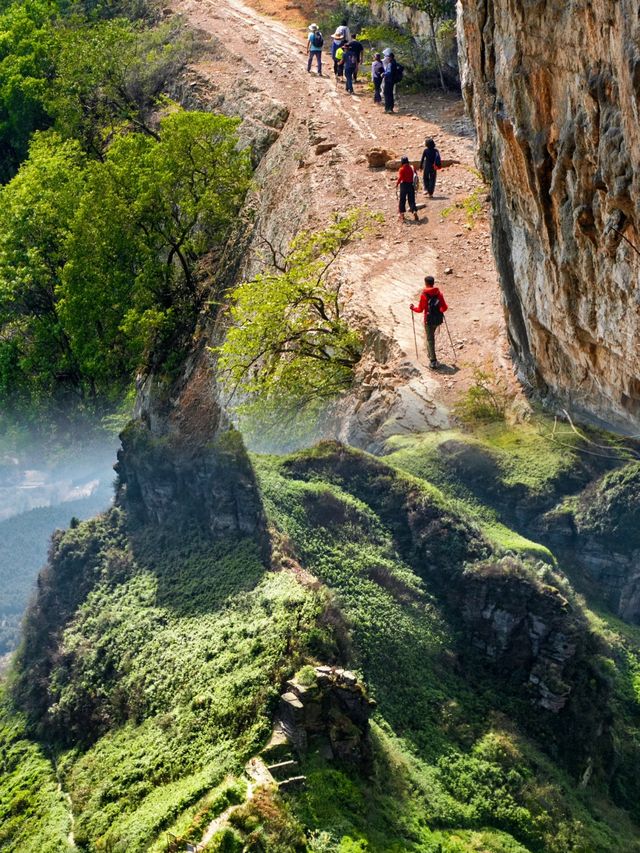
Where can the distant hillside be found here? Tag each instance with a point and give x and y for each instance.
(24, 540)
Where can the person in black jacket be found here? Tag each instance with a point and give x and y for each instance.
(430, 162)
(390, 75)
(358, 49)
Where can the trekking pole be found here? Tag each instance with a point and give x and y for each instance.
(415, 340)
(450, 340)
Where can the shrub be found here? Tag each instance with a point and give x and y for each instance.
(485, 401)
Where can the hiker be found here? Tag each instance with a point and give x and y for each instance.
(340, 38)
(339, 64)
(390, 74)
(406, 182)
(377, 71)
(433, 305)
(342, 33)
(358, 48)
(350, 67)
(430, 163)
(314, 47)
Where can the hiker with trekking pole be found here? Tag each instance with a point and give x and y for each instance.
(432, 304)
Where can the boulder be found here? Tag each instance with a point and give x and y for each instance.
(377, 157)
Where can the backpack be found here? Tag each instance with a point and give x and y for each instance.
(434, 312)
(437, 161)
(350, 60)
(397, 77)
(317, 40)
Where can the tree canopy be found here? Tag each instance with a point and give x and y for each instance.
(98, 258)
(290, 348)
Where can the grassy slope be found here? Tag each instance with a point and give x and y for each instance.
(172, 664)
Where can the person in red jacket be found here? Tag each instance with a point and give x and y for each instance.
(406, 176)
(433, 305)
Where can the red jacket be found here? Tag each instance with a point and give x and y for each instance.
(424, 297)
(405, 174)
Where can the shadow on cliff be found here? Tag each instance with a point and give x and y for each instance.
(194, 518)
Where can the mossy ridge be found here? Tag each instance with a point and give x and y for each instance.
(338, 555)
(345, 515)
(609, 510)
(515, 470)
(197, 693)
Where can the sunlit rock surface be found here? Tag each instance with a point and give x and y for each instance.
(554, 90)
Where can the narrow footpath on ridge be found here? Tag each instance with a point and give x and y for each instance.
(386, 271)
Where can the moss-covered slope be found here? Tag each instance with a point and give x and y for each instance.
(506, 718)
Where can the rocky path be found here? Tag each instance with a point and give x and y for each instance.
(386, 270)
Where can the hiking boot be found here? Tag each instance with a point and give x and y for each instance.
(433, 364)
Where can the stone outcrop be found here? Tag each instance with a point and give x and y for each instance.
(517, 624)
(527, 632)
(599, 533)
(167, 482)
(554, 90)
(330, 715)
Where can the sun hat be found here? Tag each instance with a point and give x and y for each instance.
(313, 26)
(387, 51)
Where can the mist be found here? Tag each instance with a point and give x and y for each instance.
(41, 490)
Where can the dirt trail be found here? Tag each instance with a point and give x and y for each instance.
(387, 269)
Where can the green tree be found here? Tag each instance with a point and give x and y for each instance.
(152, 210)
(110, 75)
(27, 54)
(290, 348)
(435, 10)
(99, 260)
(36, 211)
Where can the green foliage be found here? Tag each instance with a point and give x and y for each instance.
(34, 817)
(290, 348)
(225, 841)
(151, 210)
(485, 401)
(472, 205)
(26, 61)
(306, 676)
(609, 509)
(435, 9)
(36, 209)
(98, 260)
(110, 76)
(267, 824)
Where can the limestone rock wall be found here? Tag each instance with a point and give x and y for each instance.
(554, 88)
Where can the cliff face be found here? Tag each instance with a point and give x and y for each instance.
(554, 90)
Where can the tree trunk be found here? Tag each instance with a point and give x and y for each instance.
(436, 52)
